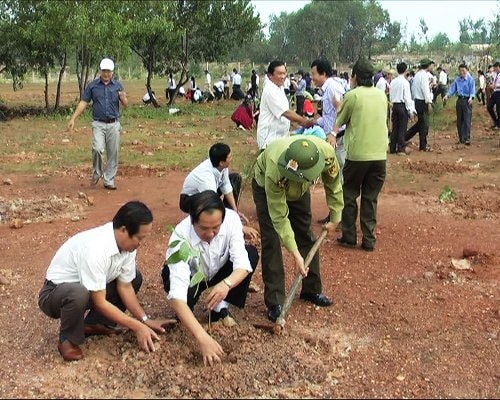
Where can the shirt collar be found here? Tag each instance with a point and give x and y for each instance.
(323, 88)
(110, 241)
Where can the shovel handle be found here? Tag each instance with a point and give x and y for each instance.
(298, 279)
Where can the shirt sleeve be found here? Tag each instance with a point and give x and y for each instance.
(87, 94)
(180, 274)
(226, 187)
(344, 115)
(333, 189)
(237, 252)
(409, 103)
(472, 87)
(92, 271)
(453, 89)
(128, 269)
(278, 211)
(278, 104)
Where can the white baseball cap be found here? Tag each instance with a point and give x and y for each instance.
(107, 64)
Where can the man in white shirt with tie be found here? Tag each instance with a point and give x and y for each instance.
(402, 107)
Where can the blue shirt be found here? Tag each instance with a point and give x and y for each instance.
(330, 89)
(105, 100)
(463, 87)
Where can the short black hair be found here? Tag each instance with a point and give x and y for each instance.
(463, 66)
(132, 215)
(497, 64)
(218, 152)
(323, 67)
(208, 201)
(401, 67)
(273, 65)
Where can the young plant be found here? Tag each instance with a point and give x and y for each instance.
(188, 254)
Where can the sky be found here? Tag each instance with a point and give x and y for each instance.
(440, 16)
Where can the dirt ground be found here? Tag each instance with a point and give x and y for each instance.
(406, 322)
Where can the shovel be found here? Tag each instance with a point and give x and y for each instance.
(280, 322)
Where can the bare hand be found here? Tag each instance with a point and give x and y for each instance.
(71, 124)
(243, 217)
(157, 324)
(211, 350)
(309, 123)
(429, 107)
(250, 233)
(470, 101)
(145, 336)
(216, 295)
(329, 226)
(299, 264)
(332, 140)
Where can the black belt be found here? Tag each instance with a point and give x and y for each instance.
(398, 102)
(108, 121)
(50, 283)
(463, 97)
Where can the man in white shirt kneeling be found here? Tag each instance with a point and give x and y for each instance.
(207, 251)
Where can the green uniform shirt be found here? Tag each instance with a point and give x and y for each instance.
(279, 189)
(364, 110)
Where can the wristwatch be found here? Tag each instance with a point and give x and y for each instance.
(228, 283)
(333, 133)
(145, 317)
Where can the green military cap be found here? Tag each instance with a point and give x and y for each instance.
(425, 62)
(301, 161)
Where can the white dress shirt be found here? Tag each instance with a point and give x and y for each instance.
(219, 85)
(382, 84)
(206, 177)
(228, 244)
(93, 259)
(420, 87)
(237, 79)
(443, 78)
(399, 92)
(272, 124)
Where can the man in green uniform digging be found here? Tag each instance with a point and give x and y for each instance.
(284, 171)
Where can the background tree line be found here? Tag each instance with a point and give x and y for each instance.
(168, 36)
(175, 36)
(343, 30)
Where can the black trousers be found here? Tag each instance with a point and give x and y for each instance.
(299, 99)
(236, 296)
(480, 95)
(70, 301)
(364, 178)
(464, 119)
(273, 272)
(494, 108)
(399, 125)
(421, 126)
(234, 178)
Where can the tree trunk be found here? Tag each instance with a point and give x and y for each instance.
(148, 86)
(59, 80)
(46, 89)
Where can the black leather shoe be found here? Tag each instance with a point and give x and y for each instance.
(217, 315)
(319, 299)
(367, 247)
(343, 242)
(274, 312)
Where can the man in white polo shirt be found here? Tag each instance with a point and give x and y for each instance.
(275, 114)
(96, 270)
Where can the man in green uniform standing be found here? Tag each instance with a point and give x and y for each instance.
(284, 171)
(364, 110)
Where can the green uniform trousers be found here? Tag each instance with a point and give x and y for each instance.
(273, 273)
(364, 178)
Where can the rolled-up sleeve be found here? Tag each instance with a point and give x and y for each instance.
(226, 183)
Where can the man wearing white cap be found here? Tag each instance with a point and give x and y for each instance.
(106, 95)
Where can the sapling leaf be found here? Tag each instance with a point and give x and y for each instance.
(174, 244)
(197, 278)
(174, 258)
(184, 252)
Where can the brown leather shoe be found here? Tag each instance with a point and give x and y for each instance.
(99, 329)
(70, 351)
